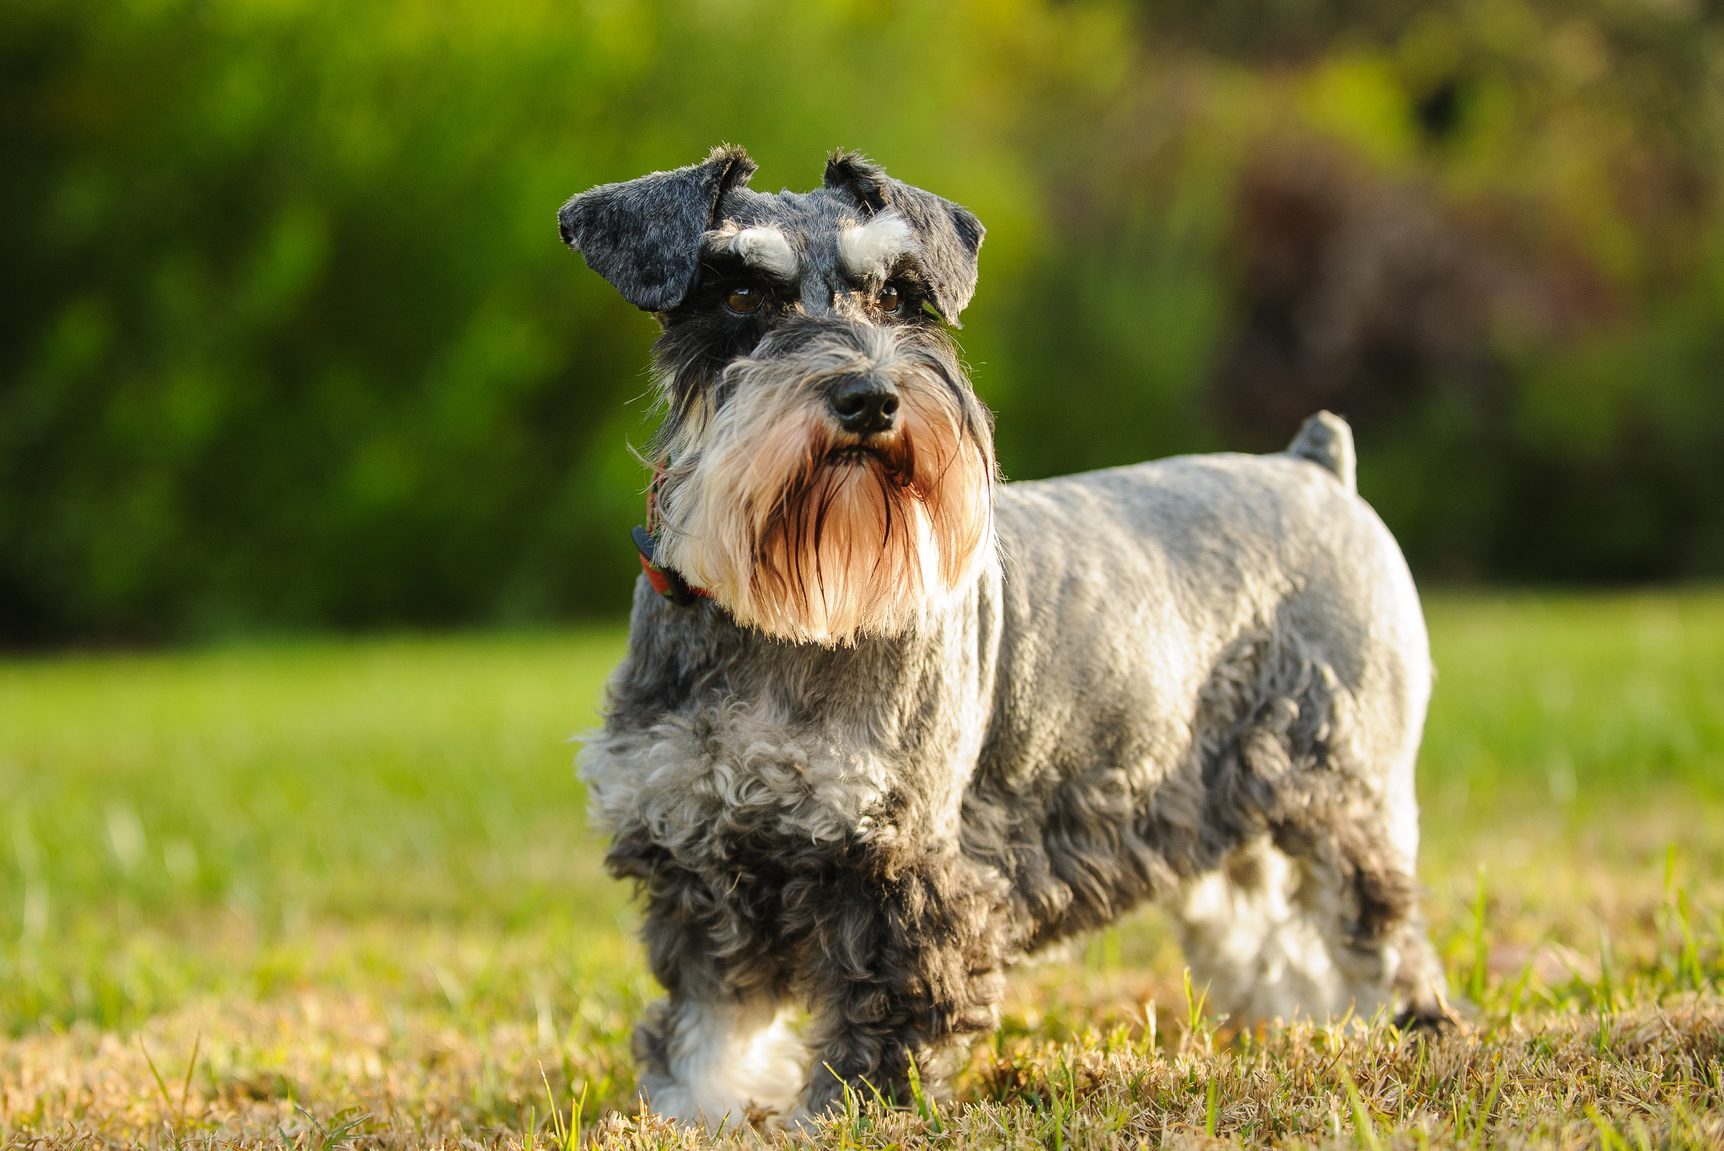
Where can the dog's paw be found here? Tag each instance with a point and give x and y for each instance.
(1434, 1015)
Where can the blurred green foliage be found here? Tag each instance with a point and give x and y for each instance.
(291, 341)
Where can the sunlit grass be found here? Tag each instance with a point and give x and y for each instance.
(242, 818)
(324, 892)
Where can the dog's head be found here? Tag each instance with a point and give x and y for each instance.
(826, 468)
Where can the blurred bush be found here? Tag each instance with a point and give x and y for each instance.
(292, 342)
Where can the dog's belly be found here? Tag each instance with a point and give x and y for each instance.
(1182, 644)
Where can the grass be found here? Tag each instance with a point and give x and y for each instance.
(343, 894)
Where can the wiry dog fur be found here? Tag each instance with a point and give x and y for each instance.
(923, 723)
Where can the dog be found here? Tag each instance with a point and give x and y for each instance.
(886, 725)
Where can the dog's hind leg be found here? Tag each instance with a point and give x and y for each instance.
(1279, 934)
(1421, 996)
(1312, 911)
(1258, 951)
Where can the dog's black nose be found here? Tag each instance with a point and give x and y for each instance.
(864, 405)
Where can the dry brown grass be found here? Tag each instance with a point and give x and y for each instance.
(321, 1070)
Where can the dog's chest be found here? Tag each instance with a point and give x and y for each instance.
(729, 774)
(781, 745)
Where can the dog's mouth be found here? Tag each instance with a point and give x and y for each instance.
(887, 458)
(885, 464)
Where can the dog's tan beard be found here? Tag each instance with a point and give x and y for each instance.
(802, 533)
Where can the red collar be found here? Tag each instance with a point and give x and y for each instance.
(667, 582)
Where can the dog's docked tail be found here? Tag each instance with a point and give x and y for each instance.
(1326, 440)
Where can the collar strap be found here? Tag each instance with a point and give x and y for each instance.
(667, 582)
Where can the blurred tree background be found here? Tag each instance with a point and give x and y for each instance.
(291, 341)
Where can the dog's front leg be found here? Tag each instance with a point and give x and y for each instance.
(718, 1061)
(719, 1048)
(902, 964)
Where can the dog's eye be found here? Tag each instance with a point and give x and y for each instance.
(889, 298)
(744, 299)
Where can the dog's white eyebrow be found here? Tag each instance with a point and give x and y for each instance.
(764, 248)
(869, 250)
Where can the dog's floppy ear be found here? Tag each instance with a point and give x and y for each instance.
(643, 236)
(948, 235)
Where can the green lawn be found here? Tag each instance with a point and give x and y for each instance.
(325, 893)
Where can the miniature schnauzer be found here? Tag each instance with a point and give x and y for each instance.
(887, 725)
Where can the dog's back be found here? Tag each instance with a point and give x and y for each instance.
(1180, 558)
